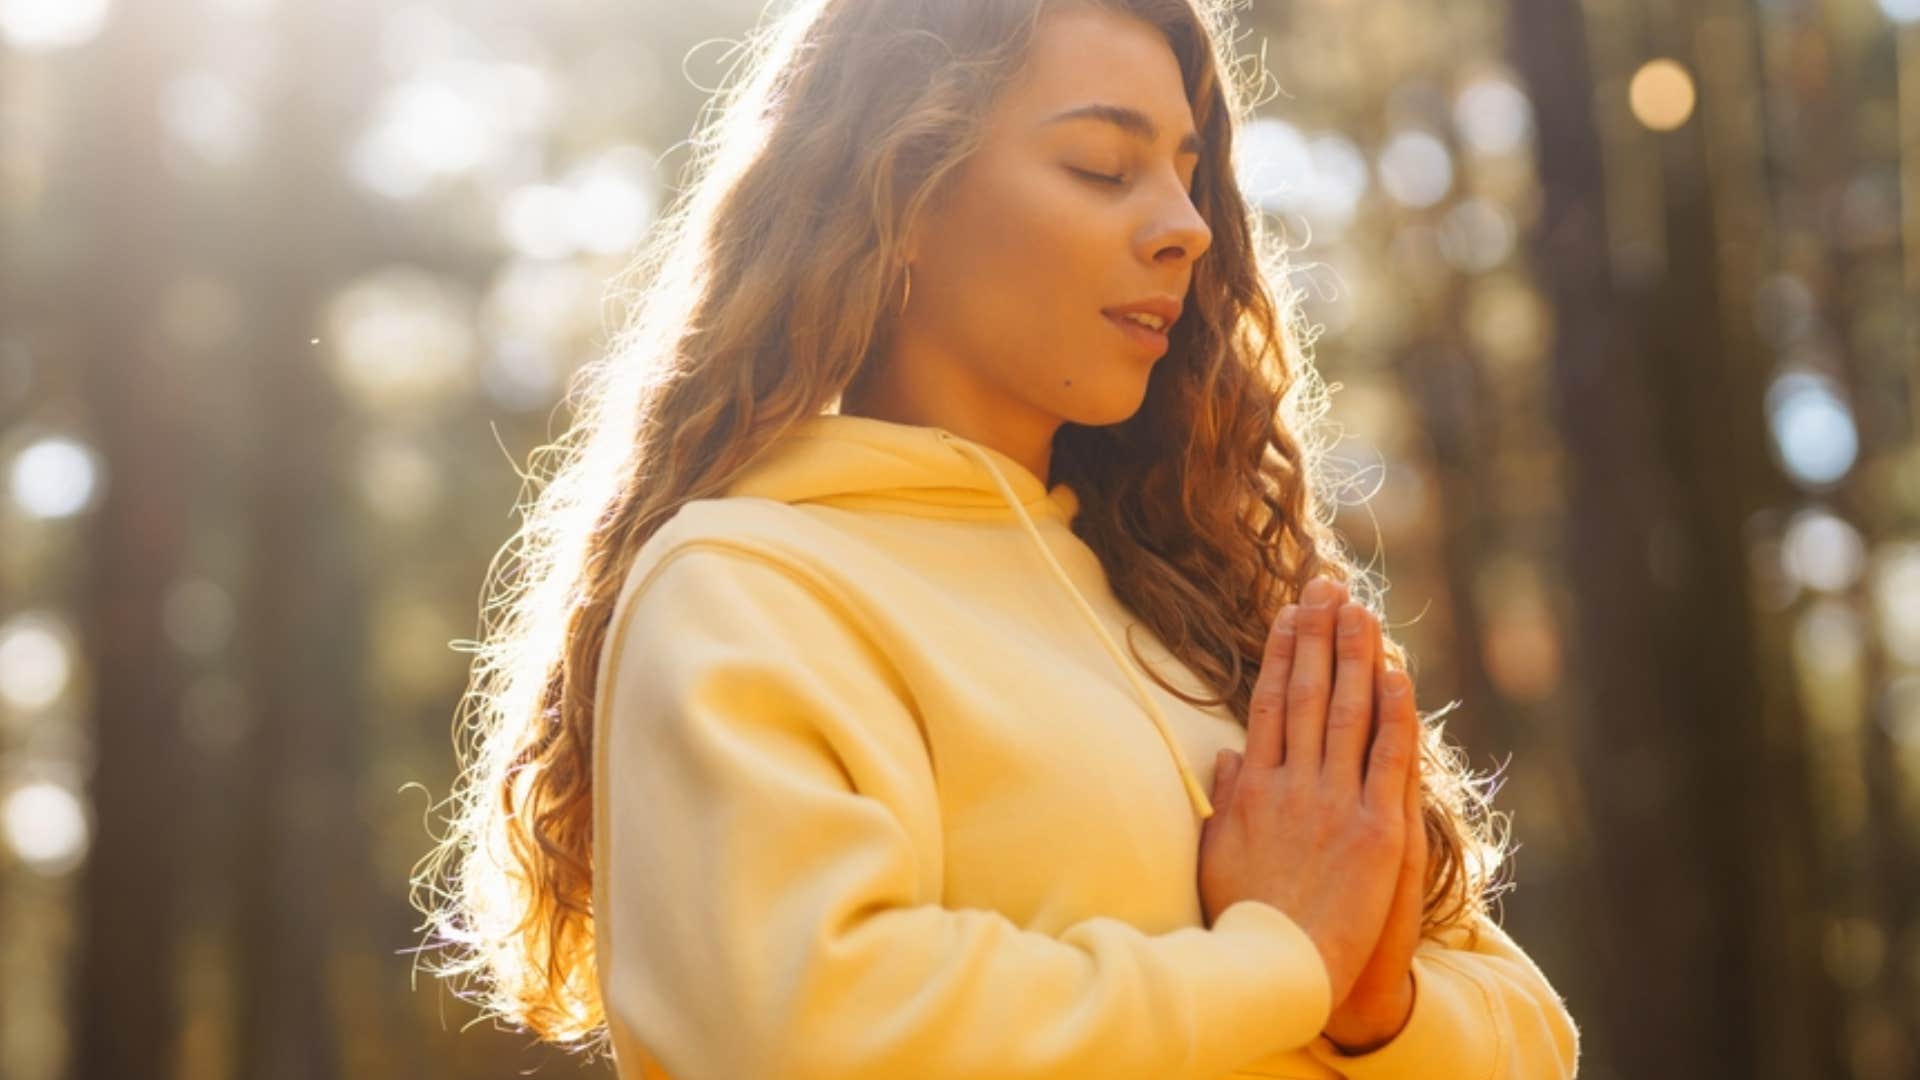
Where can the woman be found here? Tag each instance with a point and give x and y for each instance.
(948, 507)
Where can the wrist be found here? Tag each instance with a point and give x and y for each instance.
(1354, 1035)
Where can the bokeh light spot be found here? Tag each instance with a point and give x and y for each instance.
(46, 826)
(1661, 94)
(55, 477)
(36, 660)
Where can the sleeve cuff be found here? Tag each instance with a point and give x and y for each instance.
(1278, 944)
(1451, 1032)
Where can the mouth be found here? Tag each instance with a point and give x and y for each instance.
(1151, 341)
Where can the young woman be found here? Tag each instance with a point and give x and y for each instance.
(923, 663)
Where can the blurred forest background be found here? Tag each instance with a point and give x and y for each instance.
(1623, 299)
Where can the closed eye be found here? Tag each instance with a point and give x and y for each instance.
(1111, 181)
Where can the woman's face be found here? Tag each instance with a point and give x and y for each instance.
(1005, 334)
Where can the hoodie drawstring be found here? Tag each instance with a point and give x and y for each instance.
(1195, 794)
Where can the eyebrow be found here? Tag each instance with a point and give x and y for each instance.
(1127, 119)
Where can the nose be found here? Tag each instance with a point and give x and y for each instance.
(1180, 234)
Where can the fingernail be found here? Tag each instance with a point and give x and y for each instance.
(1350, 619)
(1395, 683)
(1319, 593)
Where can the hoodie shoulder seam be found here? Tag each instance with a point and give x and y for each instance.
(800, 574)
(810, 579)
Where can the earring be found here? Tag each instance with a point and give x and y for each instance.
(909, 289)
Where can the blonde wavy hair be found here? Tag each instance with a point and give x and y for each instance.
(759, 299)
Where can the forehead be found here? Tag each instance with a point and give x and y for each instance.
(1082, 55)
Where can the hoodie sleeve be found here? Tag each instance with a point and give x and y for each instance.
(1480, 1013)
(771, 839)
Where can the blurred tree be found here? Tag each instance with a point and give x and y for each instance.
(136, 404)
(1697, 799)
(299, 865)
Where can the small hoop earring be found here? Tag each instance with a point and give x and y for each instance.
(909, 289)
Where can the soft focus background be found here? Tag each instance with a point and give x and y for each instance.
(1623, 298)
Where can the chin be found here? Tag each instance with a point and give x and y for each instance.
(1114, 403)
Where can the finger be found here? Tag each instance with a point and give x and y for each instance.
(1226, 771)
(1416, 815)
(1391, 758)
(1266, 712)
(1350, 716)
(1416, 825)
(1380, 669)
(1379, 695)
(1415, 870)
(1410, 892)
(1311, 680)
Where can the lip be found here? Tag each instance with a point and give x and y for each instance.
(1153, 341)
(1167, 307)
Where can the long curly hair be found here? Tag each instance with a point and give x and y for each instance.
(757, 301)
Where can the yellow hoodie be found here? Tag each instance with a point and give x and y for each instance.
(880, 795)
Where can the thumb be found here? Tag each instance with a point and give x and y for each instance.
(1226, 771)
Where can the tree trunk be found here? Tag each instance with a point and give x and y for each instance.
(1704, 948)
(124, 1017)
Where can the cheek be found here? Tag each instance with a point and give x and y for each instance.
(1026, 262)
(1037, 246)
(1066, 220)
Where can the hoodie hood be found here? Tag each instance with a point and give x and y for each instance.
(860, 462)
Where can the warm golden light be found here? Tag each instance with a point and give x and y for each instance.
(1661, 94)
